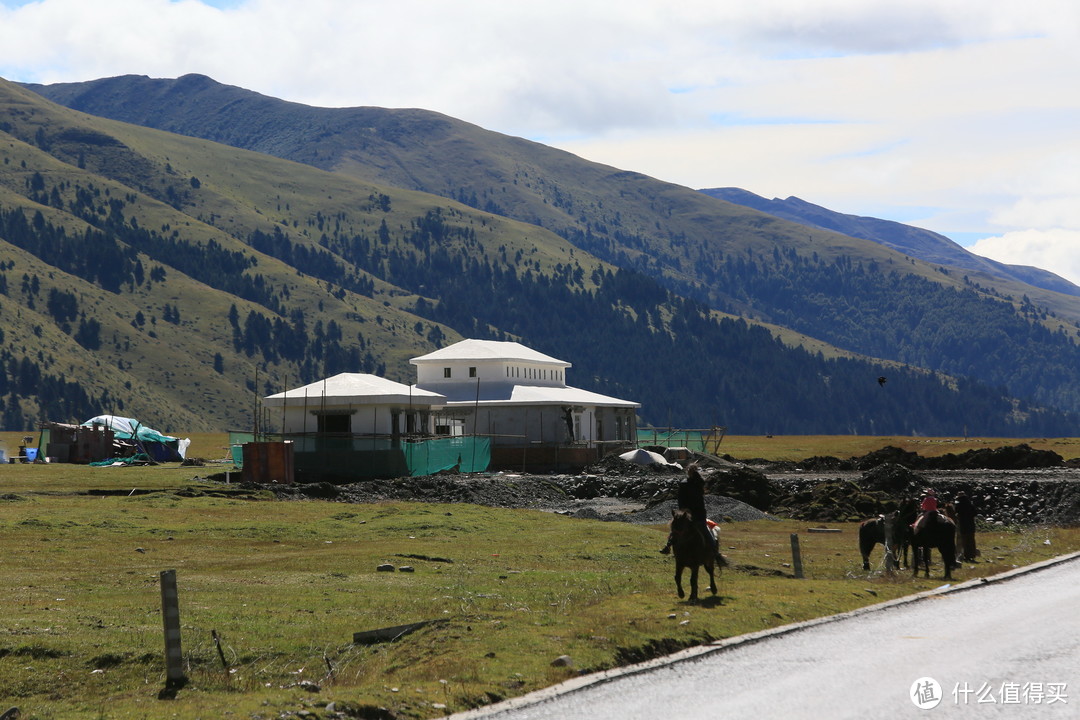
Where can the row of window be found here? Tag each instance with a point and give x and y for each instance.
(534, 373)
(529, 373)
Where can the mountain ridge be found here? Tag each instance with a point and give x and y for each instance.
(917, 242)
(321, 247)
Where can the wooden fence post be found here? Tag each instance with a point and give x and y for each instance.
(170, 615)
(796, 555)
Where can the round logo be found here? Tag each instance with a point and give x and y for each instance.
(925, 693)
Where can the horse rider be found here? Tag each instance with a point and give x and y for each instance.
(691, 497)
(928, 505)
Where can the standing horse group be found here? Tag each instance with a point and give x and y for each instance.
(904, 528)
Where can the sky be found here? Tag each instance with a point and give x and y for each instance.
(958, 116)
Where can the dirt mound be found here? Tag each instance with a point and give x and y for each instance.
(494, 491)
(613, 465)
(718, 508)
(834, 500)
(1015, 457)
(894, 479)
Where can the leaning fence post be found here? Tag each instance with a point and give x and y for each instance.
(890, 552)
(796, 555)
(170, 615)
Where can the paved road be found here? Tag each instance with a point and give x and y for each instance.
(1008, 648)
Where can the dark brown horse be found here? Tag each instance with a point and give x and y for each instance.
(896, 526)
(691, 550)
(873, 532)
(934, 531)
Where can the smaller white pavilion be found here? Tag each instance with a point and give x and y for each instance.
(355, 404)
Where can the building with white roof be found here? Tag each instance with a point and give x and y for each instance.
(519, 397)
(504, 391)
(354, 404)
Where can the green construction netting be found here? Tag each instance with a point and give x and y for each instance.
(328, 457)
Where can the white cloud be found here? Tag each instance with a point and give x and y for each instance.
(1055, 250)
(957, 116)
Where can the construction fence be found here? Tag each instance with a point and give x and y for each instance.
(351, 457)
(704, 440)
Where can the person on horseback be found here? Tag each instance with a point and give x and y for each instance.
(691, 497)
(927, 505)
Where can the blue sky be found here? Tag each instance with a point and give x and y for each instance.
(959, 116)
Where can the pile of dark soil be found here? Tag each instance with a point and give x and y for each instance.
(836, 500)
(1013, 457)
(505, 491)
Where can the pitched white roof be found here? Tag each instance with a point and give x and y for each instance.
(509, 394)
(354, 389)
(487, 350)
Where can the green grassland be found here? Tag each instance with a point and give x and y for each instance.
(284, 585)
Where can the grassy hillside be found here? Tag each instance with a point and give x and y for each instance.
(167, 367)
(858, 295)
(178, 280)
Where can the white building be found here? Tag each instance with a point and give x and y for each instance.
(519, 397)
(504, 391)
(355, 404)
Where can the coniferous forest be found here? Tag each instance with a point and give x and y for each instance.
(182, 284)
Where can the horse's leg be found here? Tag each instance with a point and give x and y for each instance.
(678, 578)
(693, 583)
(865, 553)
(712, 579)
(948, 556)
(921, 557)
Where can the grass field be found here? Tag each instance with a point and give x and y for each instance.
(284, 585)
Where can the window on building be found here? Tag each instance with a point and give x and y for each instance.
(454, 427)
(446, 372)
(334, 423)
(472, 372)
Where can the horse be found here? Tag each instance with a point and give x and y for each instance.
(873, 532)
(949, 511)
(934, 531)
(692, 551)
(896, 526)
